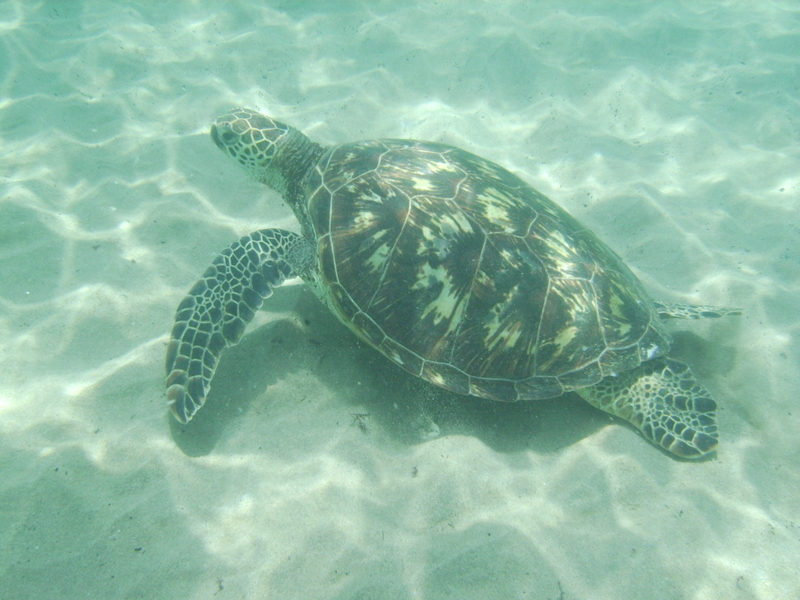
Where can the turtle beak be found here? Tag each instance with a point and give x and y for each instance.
(216, 137)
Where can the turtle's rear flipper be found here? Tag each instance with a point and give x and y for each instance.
(664, 401)
(217, 309)
(671, 310)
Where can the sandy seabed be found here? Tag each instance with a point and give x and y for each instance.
(670, 129)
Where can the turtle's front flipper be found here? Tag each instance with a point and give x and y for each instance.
(664, 401)
(671, 310)
(217, 309)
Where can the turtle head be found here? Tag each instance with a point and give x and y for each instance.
(271, 152)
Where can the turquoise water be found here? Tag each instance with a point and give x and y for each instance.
(670, 129)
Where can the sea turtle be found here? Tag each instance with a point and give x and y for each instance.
(453, 268)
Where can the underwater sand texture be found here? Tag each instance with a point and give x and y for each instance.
(670, 129)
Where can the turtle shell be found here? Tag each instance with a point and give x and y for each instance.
(461, 273)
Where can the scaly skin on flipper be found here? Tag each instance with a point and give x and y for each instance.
(217, 309)
(663, 400)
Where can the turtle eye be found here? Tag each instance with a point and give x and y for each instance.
(223, 136)
(229, 138)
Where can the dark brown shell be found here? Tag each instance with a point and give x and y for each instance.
(463, 274)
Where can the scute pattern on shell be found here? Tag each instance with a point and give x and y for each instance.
(461, 273)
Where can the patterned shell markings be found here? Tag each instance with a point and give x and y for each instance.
(461, 273)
